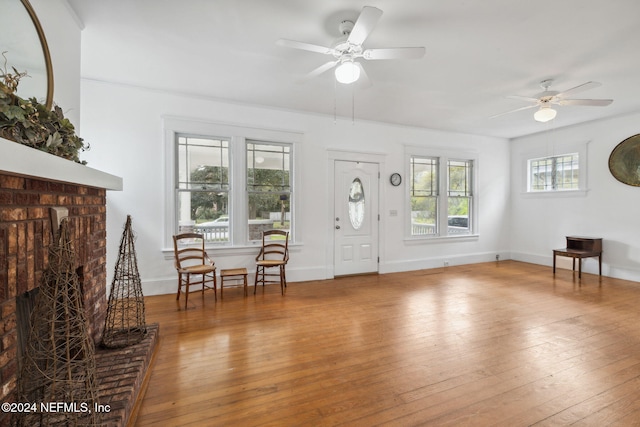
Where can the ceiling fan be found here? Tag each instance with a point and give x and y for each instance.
(348, 48)
(546, 99)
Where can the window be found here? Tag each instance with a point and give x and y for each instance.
(424, 196)
(228, 182)
(429, 178)
(203, 187)
(555, 173)
(268, 187)
(459, 196)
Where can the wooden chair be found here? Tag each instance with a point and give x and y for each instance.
(274, 254)
(192, 260)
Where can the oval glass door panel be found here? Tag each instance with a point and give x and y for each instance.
(356, 204)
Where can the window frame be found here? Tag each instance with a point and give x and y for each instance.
(237, 135)
(443, 157)
(557, 150)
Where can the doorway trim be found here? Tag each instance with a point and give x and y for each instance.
(354, 156)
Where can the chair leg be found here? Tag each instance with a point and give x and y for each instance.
(179, 286)
(186, 291)
(255, 285)
(282, 280)
(245, 285)
(284, 274)
(215, 286)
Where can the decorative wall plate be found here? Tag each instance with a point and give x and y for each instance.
(624, 161)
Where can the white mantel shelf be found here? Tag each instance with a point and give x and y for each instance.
(19, 159)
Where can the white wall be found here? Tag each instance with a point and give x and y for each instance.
(62, 32)
(609, 209)
(124, 126)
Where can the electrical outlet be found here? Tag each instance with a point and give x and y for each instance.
(497, 257)
(446, 263)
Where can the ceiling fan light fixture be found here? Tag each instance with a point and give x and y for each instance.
(347, 72)
(544, 114)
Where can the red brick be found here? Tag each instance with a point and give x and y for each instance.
(55, 187)
(64, 200)
(47, 199)
(13, 214)
(6, 198)
(27, 199)
(37, 213)
(14, 182)
(12, 239)
(36, 185)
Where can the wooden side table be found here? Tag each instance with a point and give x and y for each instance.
(233, 274)
(580, 247)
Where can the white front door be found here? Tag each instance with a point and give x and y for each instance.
(356, 218)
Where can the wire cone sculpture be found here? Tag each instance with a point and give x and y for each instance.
(59, 360)
(125, 322)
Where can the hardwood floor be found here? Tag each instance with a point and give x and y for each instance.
(504, 344)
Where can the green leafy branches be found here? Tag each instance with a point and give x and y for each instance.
(30, 123)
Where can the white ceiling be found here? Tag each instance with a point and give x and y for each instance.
(477, 53)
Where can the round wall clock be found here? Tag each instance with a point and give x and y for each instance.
(395, 179)
(624, 161)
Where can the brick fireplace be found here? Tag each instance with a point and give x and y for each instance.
(31, 184)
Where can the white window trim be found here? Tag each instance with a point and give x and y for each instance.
(558, 149)
(443, 155)
(237, 134)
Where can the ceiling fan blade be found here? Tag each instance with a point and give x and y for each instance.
(364, 25)
(524, 98)
(588, 102)
(320, 70)
(394, 53)
(580, 88)
(305, 46)
(513, 111)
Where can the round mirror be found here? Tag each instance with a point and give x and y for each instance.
(24, 47)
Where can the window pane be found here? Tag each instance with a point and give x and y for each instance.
(424, 215)
(356, 204)
(459, 177)
(555, 173)
(203, 163)
(268, 167)
(204, 212)
(424, 176)
(458, 215)
(268, 211)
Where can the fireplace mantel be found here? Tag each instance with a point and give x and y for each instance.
(26, 161)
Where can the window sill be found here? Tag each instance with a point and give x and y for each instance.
(415, 240)
(562, 193)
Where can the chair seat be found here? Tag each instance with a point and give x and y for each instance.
(198, 269)
(270, 262)
(233, 272)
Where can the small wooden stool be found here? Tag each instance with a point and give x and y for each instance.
(233, 274)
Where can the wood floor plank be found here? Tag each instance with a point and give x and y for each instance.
(505, 344)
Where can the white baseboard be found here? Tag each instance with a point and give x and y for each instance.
(438, 262)
(589, 265)
(169, 285)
